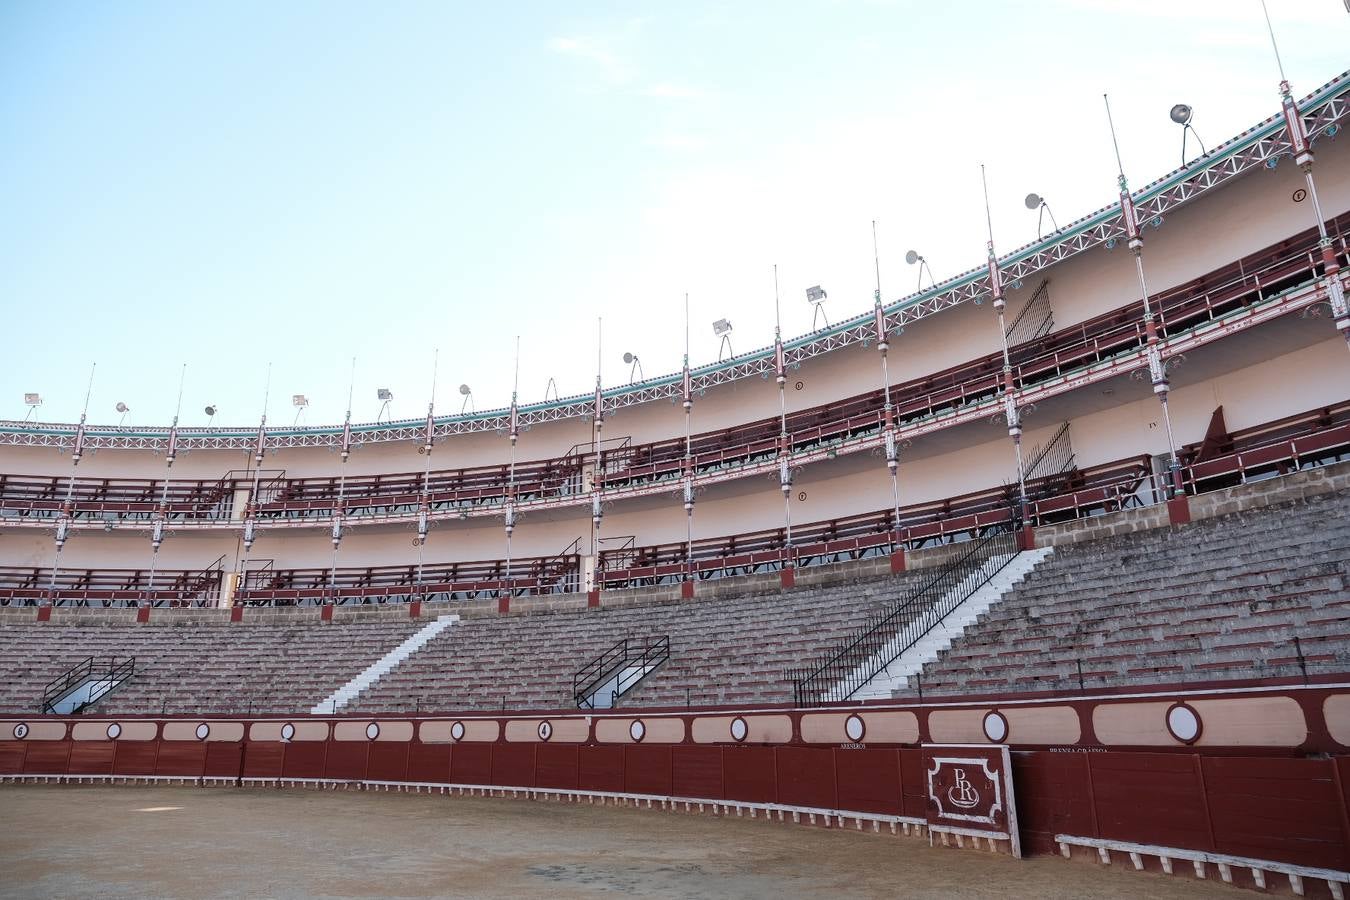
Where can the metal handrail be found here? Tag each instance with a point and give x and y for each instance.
(890, 633)
(84, 671)
(615, 659)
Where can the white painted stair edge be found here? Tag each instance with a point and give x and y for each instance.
(382, 666)
(895, 676)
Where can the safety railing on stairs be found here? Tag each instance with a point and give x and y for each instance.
(625, 655)
(83, 672)
(875, 645)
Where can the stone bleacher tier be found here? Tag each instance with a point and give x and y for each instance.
(1221, 598)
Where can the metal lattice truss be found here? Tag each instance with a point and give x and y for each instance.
(1289, 303)
(1325, 112)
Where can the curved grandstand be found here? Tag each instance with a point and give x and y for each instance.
(966, 509)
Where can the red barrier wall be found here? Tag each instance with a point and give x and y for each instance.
(1267, 807)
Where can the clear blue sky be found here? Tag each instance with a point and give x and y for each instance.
(225, 184)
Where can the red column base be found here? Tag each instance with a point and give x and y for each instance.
(236, 614)
(898, 561)
(415, 609)
(788, 576)
(686, 590)
(1179, 510)
(592, 599)
(1026, 538)
(326, 612)
(503, 604)
(44, 613)
(142, 614)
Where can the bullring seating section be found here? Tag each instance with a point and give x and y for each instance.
(1218, 599)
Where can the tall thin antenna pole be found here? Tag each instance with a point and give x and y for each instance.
(340, 510)
(597, 470)
(67, 508)
(784, 444)
(251, 509)
(1303, 158)
(1010, 411)
(687, 489)
(1156, 368)
(513, 435)
(162, 511)
(428, 443)
(1279, 63)
(888, 409)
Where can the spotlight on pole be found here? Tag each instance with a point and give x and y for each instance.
(816, 297)
(634, 365)
(915, 256)
(210, 414)
(722, 329)
(384, 395)
(1038, 203)
(299, 401)
(1182, 114)
(32, 401)
(467, 394)
(123, 409)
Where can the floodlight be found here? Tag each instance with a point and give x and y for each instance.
(816, 296)
(122, 408)
(464, 390)
(1182, 114)
(299, 401)
(722, 329)
(914, 256)
(634, 365)
(467, 394)
(1037, 202)
(210, 410)
(384, 394)
(32, 401)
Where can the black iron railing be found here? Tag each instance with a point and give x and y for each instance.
(875, 645)
(87, 670)
(625, 654)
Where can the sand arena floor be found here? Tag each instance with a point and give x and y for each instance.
(70, 841)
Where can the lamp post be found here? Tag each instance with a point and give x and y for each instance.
(889, 422)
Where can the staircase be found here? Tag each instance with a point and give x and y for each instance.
(909, 661)
(84, 684)
(869, 650)
(601, 682)
(381, 667)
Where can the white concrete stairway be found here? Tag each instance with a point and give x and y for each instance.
(382, 666)
(895, 676)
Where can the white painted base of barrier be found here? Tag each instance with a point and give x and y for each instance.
(1199, 860)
